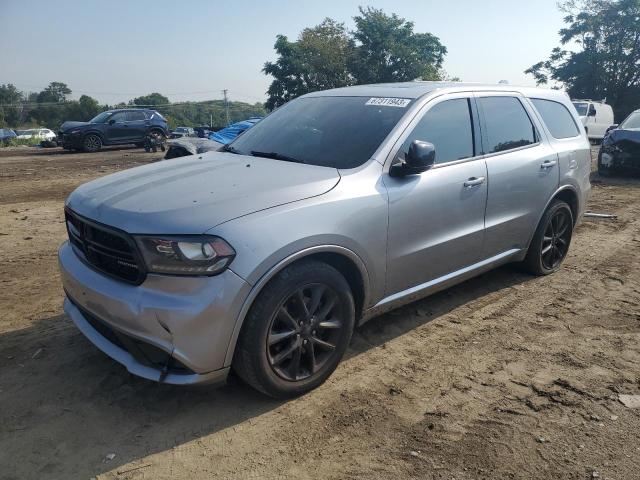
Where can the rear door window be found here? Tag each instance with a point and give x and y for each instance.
(557, 118)
(507, 124)
(135, 116)
(448, 126)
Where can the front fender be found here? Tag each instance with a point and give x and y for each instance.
(260, 284)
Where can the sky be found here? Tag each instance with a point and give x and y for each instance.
(193, 49)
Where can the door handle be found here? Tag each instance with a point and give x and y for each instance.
(548, 164)
(474, 182)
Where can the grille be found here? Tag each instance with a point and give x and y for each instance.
(106, 249)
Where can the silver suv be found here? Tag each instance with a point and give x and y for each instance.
(338, 206)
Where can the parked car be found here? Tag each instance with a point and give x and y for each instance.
(204, 130)
(338, 206)
(6, 135)
(229, 134)
(37, 133)
(595, 116)
(182, 132)
(182, 147)
(113, 127)
(620, 149)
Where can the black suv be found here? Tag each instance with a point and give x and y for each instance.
(113, 127)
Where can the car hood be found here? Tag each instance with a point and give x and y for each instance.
(191, 196)
(70, 125)
(625, 139)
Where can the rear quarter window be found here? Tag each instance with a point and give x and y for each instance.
(557, 118)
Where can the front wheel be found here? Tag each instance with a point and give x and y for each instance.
(297, 330)
(551, 240)
(91, 143)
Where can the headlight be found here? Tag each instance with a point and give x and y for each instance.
(185, 255)
(74, 132)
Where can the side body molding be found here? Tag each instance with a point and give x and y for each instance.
(257, 288)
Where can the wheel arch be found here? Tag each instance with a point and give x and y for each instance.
(95, 132)
(566, 193)
(569, 195)
(157, 129)
(347, 262)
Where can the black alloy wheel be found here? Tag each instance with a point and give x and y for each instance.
(555, 242)
(550, 243)
(92, 143)
(304, 332)
(297, 330)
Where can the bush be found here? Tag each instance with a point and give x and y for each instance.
(19, 142)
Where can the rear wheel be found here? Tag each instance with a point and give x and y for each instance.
(551, 241)
(296, 331)
(92, 143)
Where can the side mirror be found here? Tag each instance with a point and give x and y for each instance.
(592, 111)
(421, 157)
(612, 127)
(112, 121)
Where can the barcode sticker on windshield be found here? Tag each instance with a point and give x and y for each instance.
(388, 102)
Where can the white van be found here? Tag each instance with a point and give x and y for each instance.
(595, 116)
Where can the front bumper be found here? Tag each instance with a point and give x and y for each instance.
(182, 325)
(67, 140)
(619, 159)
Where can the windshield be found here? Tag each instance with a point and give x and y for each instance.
(582, 108)
(632, 122)
(338, 132)
(101, 117)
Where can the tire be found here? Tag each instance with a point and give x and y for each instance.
(281, 340)
(91, 143)
(551, 241)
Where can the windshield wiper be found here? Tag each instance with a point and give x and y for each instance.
(230, 149)
(276, 156)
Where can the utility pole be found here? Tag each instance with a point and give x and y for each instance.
(226, 105)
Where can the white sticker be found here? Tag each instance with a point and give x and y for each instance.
(388, 102)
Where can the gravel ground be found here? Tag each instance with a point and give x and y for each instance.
(504, 376)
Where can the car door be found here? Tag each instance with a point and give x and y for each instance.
(522, 169)
(117, 130)
(137, 123)
(436, 218)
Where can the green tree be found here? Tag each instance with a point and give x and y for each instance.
(10, 105)
(606, 63)
(383, 48)
(316, 61)
(82, 110)
(56, 92)
(388, 50)
(154, 98)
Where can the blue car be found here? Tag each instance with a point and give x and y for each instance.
(113, 127)
(6, 135)
(229, 134)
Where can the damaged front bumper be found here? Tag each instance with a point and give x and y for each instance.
(168, 329)
(620, 151)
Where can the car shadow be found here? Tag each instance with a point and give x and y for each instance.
(65, 406)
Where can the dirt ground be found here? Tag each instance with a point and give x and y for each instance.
(504, 376)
